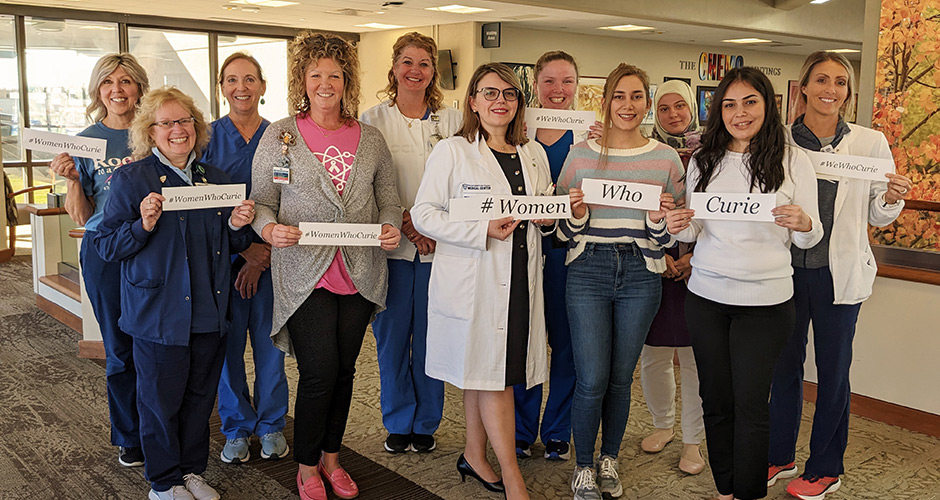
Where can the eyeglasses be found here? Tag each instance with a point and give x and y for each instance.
(183, 122)
(491, 93)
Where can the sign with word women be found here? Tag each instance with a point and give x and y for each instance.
(487, 207)
(210, 196)
(621, 194)
(51, 142)
(336, 234)
(754, 207)
(856, 167)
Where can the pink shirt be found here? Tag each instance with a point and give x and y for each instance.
(336, 150)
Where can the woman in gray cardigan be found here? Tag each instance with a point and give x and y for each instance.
(322, 165)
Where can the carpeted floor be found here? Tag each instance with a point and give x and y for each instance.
(54, 437)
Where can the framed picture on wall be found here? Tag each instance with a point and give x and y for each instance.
(526, 74)
(648, 119)
(794, 105)
(704, 95)
(688, 81)
(590, 94)
(778, 100)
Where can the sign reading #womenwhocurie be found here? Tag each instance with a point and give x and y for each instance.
(754, 207)
(51, 142)
(210, 196)
(336, 234)
(486, 207)
(621, 194)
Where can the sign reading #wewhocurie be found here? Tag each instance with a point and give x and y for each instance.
(194, 197)
(856, 167)
(51, 142)
(486, 207)
(621, 194)
(561, 119)
(337, 234)
(754, 207)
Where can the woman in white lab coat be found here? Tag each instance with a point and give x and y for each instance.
(486, 325)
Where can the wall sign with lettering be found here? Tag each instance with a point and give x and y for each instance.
(712, 66)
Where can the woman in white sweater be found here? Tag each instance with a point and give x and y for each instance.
(740, 309)
(830, 280)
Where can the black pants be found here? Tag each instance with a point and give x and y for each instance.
(326, 332)
(736, 348)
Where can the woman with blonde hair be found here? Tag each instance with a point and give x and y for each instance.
(486, 323)
(322, 165)
(117, 83)
(173, 270)
(413, 120)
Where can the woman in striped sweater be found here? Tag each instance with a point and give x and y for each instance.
(615, 258)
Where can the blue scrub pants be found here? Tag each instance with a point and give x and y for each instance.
(176, 392)
(833, 332)
(411, 401)
(241, 414)
(556, 421)
(103, 286)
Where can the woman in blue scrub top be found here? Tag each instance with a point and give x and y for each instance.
(174, 269)
(234, 140)
(117, 83)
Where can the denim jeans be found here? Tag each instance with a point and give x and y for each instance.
(612, 299)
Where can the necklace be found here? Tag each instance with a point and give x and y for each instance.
(411, 121)
(321, 129)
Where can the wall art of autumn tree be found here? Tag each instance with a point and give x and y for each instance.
(907, 111)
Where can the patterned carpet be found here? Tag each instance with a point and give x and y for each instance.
(54, 436)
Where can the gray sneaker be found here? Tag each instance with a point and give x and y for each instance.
(274, 445)
(198, 487)
(174, 493)
(235, 451)
(607, 478)
(583, 485)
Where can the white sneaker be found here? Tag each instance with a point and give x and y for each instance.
(175, 493)
(583, 485)
(199, 488)
(607, 478)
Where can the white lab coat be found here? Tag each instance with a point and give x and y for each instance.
(410, 142)
(858, 201)
(468, 303)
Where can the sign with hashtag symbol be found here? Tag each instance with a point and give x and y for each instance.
(487, 207)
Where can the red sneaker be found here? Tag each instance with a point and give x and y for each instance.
(342, 484)
(813, 487)
(311, 489)
(775, 472)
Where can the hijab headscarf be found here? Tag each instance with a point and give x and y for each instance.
(689, 138)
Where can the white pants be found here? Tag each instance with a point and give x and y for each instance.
(659, 389)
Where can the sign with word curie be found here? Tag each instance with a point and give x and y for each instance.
(621, 194)
(51, 142)
(754, 207)
(194, 197)
(486, 207)
(561, 119)
(336, 234)
(856, 167)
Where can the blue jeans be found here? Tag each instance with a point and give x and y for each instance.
(612, 299)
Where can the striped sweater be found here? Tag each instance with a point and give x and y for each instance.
(655, 163)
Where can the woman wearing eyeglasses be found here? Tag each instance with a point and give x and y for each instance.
(175, 277)
(486, 321)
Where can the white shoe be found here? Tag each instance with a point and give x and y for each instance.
(583, 485)
(608, 480)
(199, 488)
(175, 493)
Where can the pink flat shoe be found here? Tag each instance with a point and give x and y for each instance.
(312, 489)
(339, 480)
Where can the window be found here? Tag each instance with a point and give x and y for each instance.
(176, 58)
(272, 54)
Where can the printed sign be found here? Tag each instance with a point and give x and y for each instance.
(621, 194)
(856, 167)
(50, 142)
(562, 119)
(754, 207)
(517, 207)
(194, 197)
(335, 234)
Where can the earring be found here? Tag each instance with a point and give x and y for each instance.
(262, 100)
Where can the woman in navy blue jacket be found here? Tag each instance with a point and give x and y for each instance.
(174, 270)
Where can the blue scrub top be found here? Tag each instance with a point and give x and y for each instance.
(556, 153)
(95, 175)
(229, 152)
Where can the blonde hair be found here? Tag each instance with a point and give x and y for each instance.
(610, 86)
(515, 134)
(140, 140)
(822, 56)
(236, 56)
(96, 110)
(309, 47)
(433, 96)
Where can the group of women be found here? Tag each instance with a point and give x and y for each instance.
(474, 303)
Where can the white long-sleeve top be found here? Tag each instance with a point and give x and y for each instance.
(748, 263)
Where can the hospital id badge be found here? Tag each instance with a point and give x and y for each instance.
(281, 175)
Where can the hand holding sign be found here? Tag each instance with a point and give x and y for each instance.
(390, 237)
(792, 217)
(243, 214)
(64, 166)
(679, 219)
(501, 228)
(899, 188)
(666, 203)
(151, 207)
(578, 208)
(281, 235)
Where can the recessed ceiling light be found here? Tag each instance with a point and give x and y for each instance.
(845, 51)
(458, 9)
(229, 6)
(253, 10)
(626, 27)
(264, 3)
(748, 40)
(379, 26)
(817, 2)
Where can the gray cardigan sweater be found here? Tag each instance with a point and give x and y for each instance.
(370, 197)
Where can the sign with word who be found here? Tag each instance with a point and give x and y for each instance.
(621, 194)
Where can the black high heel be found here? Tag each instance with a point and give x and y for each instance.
(463, 467)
